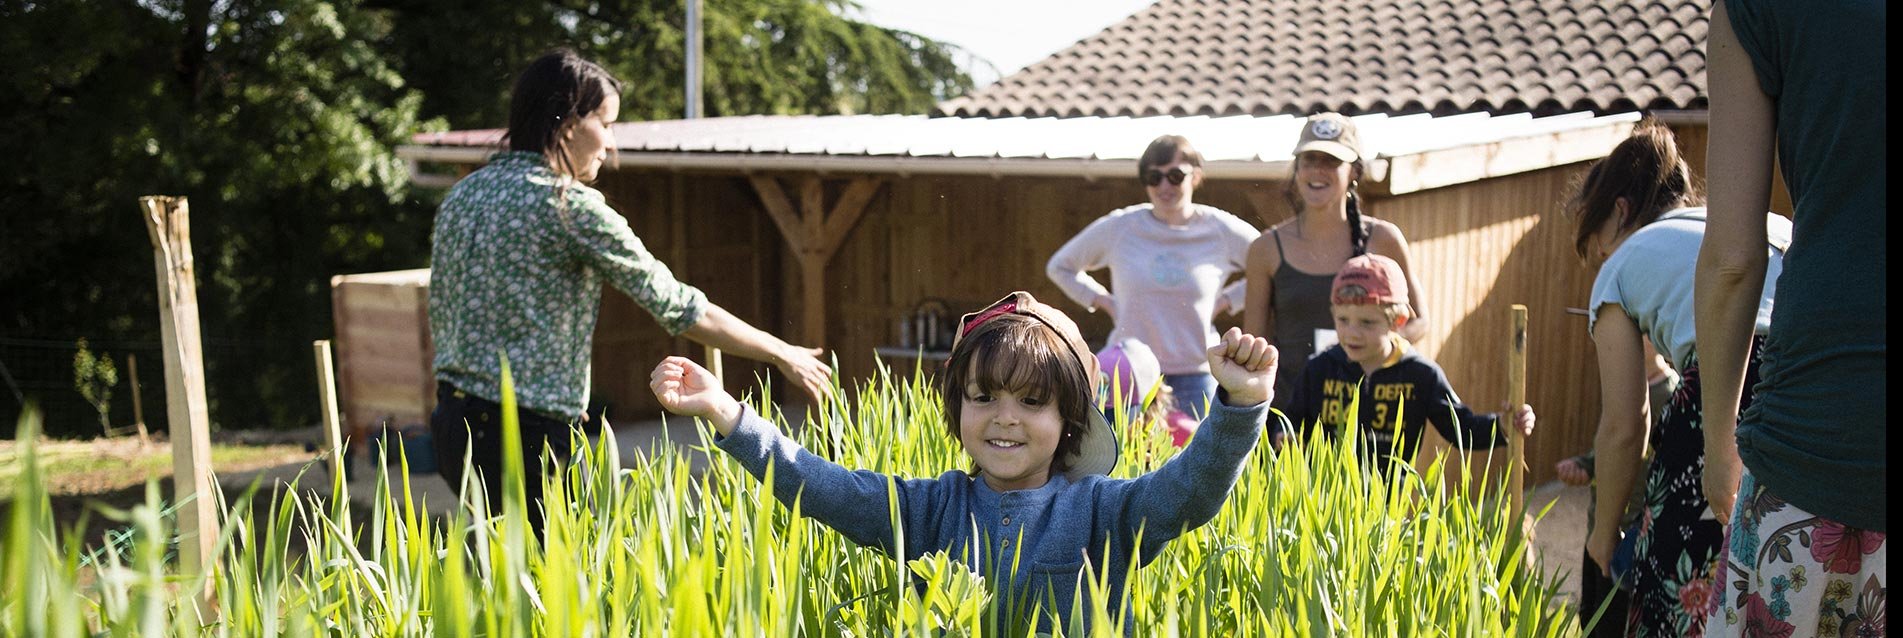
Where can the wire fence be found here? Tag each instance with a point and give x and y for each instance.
(41, 370)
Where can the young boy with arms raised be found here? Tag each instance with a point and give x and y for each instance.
(1019, 394)
(1400, 391)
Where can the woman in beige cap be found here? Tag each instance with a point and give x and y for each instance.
(1291, 266)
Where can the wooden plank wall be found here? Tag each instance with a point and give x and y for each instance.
(711, 234)
(969, 239)
(1481, 247)
(383, 353)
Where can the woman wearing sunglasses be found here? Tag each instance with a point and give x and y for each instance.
(1292, 266)
(1168, 260)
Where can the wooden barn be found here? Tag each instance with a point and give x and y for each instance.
(850, 232)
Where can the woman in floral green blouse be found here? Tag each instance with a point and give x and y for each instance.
(520, 250)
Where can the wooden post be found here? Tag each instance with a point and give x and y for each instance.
(138, 407)
(715, 366)
(1516, 395)
(327, 405)
(167, 222)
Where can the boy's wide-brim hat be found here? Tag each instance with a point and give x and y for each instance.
(1097, 445)
(1331, 133)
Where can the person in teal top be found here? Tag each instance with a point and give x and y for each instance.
(1801, 479)
(518, 255)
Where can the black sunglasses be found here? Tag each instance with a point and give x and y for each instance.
(1176, 176)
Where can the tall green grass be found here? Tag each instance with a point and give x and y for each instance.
(1309, 544)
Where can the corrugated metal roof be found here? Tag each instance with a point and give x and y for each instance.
(1241, 138)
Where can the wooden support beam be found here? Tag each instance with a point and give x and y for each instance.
(168, 223)
(815, 234)
(780, 210)
(845, 214)
(812, 210)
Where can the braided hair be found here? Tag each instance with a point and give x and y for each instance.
(1357, 235)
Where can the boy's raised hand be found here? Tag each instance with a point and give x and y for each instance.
(1245, 366)
(685, 388)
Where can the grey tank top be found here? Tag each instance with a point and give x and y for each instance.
(1301, 307)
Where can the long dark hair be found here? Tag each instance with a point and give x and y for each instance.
(1357, 235)
(551, 96)
(1646, 170)
(1021, 354)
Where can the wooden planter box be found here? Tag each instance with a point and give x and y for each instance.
(383, 351)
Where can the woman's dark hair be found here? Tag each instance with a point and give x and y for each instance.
(1646, 170)
(551, 95)
(1021, 354)
(1163, 150)
(1357, 235)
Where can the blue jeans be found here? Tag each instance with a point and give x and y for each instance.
(1193, 392)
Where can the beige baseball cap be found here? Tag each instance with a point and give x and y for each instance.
(1097, 446)
(1331, 133)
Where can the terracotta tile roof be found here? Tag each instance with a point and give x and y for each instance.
(1265, 57)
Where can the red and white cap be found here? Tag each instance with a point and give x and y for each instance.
(1369, 279)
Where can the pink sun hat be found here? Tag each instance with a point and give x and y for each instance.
(1130, 371)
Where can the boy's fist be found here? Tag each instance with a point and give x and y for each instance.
(1522, 417)
(685, 388)
(1245, 366)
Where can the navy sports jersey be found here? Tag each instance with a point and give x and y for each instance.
(1410, 389)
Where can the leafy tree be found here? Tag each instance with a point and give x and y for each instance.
(760, 56)
(278, 119)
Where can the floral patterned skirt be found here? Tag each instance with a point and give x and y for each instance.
(1679, 538)
(1788, 572)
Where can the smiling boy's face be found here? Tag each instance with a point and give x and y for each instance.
(1363, 331)
(1011, 434)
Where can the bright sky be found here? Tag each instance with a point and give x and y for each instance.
(1011, 34)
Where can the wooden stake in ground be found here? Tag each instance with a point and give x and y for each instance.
(714, 365)
(138, 407)
(327, 406)
(167, 221)
(1516, 395)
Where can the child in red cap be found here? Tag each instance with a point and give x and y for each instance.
(1400, 391)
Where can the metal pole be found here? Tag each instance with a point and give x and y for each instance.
(693, 59)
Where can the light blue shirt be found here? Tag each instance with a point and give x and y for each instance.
(1650, 275)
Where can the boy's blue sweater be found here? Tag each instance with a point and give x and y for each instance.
(1051, 532)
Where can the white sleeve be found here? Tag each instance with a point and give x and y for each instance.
(1070, 266)
(1236, 246)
